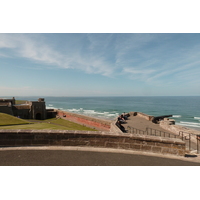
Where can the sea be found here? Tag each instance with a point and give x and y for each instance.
(185, 110)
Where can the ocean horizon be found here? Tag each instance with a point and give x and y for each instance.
(184, 109)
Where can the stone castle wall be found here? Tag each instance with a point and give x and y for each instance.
(30, 110)
(11, 138)
(6, 109)
(142, 115)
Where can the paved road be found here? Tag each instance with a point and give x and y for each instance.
(73, 156)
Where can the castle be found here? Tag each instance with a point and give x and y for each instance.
(27, 110)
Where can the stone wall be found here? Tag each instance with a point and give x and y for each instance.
(142, 115)
(6, 110)
(100, 124)
(114, 128)
(11, 138)
(30, 110)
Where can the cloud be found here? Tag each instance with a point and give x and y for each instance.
(3, 55)
(148, 57)
(135, 71)
(35, 48)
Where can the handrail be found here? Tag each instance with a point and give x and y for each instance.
(150, 131)
(187, 136)
(160, 133)
(154, 132)
(135, 130)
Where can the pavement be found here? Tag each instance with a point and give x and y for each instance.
(88, 156)
(141, 124)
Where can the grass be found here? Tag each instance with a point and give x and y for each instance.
(20, 101)
(50, 124)
(6, 119)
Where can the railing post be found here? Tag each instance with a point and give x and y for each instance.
(189, 141)
(198, 138)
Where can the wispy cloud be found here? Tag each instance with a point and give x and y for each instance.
(148, 57)
(140, 74)
(35, 49)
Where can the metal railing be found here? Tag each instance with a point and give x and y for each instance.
(155, 132)
(184, 136)
(187, 137)
(135, 130)
(151, 131)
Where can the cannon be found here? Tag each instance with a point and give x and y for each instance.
(158, 118)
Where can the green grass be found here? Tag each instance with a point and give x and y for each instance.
(71, 125)
(6, 119)
(51, 124)
(20, 101)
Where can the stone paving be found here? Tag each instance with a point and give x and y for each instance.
(141, 124)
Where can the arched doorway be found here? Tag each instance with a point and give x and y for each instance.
(38, 116)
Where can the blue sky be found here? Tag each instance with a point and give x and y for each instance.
(124, 64)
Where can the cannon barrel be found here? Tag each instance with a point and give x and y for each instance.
(161, 117)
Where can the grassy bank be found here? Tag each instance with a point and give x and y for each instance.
(6, 120)
(10, 122)
(20, 101)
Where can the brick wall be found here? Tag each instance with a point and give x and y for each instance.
(88, 121)
(10, 138)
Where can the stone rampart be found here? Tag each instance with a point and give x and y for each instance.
(100, 124)
(114, 128)
(6, 110)
(11, 138)
(142, 115)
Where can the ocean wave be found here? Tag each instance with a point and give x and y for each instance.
(196, 117)
(74, 110)
(89, 111)
(176, 116)
(188, 125)
(50, 105)
(93, 113)
(47, 107)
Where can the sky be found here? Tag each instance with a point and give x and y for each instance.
(99, 64)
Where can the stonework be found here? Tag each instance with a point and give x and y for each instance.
(29, 110)
(91, 139)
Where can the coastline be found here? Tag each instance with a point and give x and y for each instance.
(174, 128)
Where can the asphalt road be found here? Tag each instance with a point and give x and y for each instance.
(38, 157)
